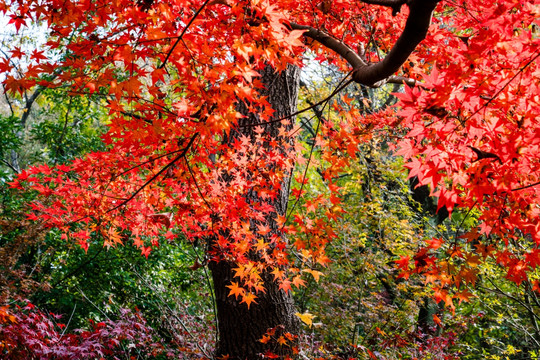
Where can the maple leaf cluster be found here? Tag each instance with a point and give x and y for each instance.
(172, 75)
(473, 136)
(180, 160)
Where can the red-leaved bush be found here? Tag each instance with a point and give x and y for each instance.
(29, 333)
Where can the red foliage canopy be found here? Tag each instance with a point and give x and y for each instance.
(173, 72)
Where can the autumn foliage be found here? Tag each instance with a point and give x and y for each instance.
(182, 160)
(30, 333)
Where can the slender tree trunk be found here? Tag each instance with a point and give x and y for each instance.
(240, 328)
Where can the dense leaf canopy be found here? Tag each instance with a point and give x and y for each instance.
(179, 159)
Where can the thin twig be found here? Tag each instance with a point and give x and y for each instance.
(197, 186)
(492, 98)
(69, 321)
(147, 162)
(210, 287)
(340, 86)
(337, 90)
(8, 164)
(526, 186)
(152, 178)
(63, 133)
(172, 312)
(183, 32)
(92, 303)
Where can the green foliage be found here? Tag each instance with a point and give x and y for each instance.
(507, 316)
(361, 296)
(10, 141)
(361, 301)
(58, 275)
(96, 284)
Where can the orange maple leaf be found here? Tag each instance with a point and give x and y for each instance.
(240, 271)
(463, 296)
(278, 274)
(281, 341)
(248, 299)
(235, 290)
(435, 243)
(264, 339)
(298, 281)
(285, 285)
(437, 320)
(316, 274)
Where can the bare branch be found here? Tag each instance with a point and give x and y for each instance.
(333, 44)
(395, 79)
(394, 4)
(8, 164)
(415, 31)
(8, 100)
(379, 73)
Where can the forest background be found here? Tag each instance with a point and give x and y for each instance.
(376, 264)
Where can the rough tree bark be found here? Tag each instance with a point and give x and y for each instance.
(240, 328)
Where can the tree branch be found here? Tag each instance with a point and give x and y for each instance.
(376, 74)
(153, 177)
(394, 4)
(8, 164)
(333, 44)
(182, 34)
(396, 79)
(415, 31)
(29, 102)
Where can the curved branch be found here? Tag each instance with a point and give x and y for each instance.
(333, 44)
(415, 31)
(396, 79)
(394, 4)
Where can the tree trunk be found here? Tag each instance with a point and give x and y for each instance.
(240, 328)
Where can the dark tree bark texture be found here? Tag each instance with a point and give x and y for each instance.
(240, 328)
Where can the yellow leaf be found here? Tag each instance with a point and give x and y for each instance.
(306, 318)
(261, 245)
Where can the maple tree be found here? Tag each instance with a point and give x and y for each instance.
(30, 333)
(202, 139)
